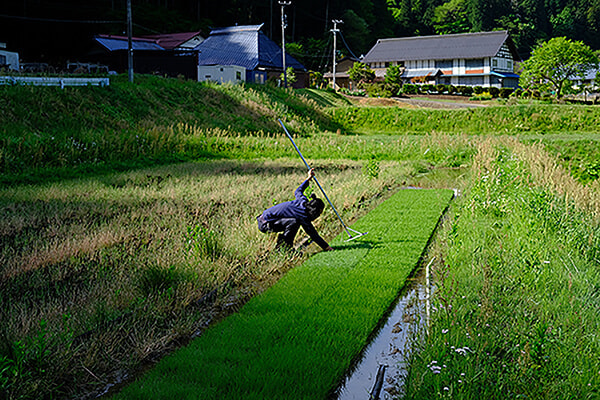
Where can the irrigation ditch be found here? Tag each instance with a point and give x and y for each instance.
(380, 369)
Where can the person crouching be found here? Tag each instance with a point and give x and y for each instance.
(286, 218)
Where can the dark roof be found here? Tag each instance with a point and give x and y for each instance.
(170, 41)
(245, 46)
(167, 41)
(113, 43)
(440, 47)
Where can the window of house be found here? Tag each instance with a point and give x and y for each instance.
(509, 64)
(495, 63)
(470, 80)
(474, 63)
(443, 64)
(2, 59)
(238, 75)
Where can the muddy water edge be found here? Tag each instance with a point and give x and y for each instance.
(380, 370)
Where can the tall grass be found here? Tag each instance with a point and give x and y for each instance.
(296, 340)
(517, 302)
(99, 275)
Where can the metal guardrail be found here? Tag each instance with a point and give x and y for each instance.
(53, 81)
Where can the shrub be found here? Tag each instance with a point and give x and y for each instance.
(377, 90)
(352, 92)
(494, 91)
(506, 92)
(409, 88)
(466, 90)
(451, 89)
(478, 90)
(427, 88)
(482, 96)
(441, 88)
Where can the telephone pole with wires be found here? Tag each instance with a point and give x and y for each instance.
(129, 42)
(283, 4)
(335, 30)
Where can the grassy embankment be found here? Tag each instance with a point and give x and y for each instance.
(107, 271)
(517, 306)
(296, 340)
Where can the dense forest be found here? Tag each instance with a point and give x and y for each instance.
(53, 29)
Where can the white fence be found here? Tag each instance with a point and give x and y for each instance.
(49, 81)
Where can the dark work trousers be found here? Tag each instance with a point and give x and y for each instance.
(287, 226)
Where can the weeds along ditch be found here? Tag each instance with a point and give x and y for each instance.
(297, 339)
(516, 312)
(102, 275)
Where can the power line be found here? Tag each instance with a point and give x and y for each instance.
(65, 21)
(346, 44)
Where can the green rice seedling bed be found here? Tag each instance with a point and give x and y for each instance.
(297, 339)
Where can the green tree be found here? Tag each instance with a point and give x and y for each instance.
(290, 75)
(361, 73)
(356, 31)
(452, 17)
(393, 82)
(555, 62)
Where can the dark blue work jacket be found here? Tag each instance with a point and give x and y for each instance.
(296, 209)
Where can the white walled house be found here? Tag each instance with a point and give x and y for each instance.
(222, 73)
(468, 59)
(8, 59)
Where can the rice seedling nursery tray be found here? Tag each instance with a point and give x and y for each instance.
(297, 339)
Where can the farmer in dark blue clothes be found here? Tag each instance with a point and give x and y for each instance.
(287, 217)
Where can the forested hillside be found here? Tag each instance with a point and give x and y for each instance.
(45, 28)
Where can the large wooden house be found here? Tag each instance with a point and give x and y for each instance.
(470, 59)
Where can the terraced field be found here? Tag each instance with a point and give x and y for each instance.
(296, 340)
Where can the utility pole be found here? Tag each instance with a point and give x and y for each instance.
(335, 30)
(129, 42)
(283, 26)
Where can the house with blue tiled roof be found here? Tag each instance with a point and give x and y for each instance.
(468, 59)
(168, 54)
(244, 53)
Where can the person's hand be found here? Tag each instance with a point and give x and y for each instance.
(311, 173)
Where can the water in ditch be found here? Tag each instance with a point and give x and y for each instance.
(383, 364)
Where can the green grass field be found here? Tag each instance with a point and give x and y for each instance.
(127, 226)
(296, 340)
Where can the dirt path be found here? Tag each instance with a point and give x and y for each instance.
(438, 102)
(447, 102)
